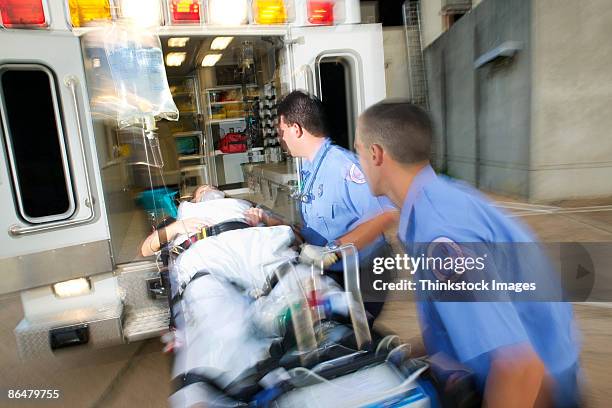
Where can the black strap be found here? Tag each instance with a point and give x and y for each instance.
(214, 230)
(225, 227)
(179, 295)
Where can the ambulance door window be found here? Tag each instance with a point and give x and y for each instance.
(34, 142)
(336, 91)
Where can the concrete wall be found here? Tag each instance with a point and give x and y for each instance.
(482, 116)
(454, 99)
(397, 80)
(431, 20)
(504, 94)
(435, 69)
(571, 153)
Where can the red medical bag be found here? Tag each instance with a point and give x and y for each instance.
(233, 143)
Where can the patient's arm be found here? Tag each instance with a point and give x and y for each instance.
(188, 226)
(254, 216)
(366, 233)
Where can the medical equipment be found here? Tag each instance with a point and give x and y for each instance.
(258, 329)
(305, 195)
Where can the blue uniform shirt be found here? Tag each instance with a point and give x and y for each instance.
(340, 199)
(437, 207)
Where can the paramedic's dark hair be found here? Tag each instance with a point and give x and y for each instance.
(402, 129)
(305, 110)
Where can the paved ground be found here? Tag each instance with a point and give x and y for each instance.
(137, 374)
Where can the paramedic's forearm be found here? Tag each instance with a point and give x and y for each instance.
(367, 232)
(272, 221)
(417, 348)
(515, 379)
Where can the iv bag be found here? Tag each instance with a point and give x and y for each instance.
(126, 75)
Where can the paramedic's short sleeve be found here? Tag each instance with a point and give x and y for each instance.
(361, 201)
(497, 325)
(386, 204)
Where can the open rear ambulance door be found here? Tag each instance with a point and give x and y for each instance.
(344, 66)
(53, 226)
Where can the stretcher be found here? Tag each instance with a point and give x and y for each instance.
(254, 328)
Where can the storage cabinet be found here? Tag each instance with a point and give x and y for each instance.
(229, 111)
(188, 135)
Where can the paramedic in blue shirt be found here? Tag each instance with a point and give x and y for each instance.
(338, 207)
(522, 353)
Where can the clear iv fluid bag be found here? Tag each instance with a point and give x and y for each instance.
(126, 75)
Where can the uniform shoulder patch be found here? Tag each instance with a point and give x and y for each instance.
(443, 251)
(356, 175)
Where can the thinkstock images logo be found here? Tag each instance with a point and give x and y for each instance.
(449, 271)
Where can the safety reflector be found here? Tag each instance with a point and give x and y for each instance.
(185, 11)
(83, 12)
(321, 12)
(22, 13)
(269, 11)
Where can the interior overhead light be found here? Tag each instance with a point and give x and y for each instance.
(211, 59)
(221, 43)
(178, 42)
(175, 59)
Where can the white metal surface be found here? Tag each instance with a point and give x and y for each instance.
(42, 302)
(146, 323)
(103, 326)
(364, 42)
(60, 52)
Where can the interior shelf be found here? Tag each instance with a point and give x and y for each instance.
(219, 121)
(226, 87)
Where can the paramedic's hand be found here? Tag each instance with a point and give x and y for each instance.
(255, 216)
(315, 255)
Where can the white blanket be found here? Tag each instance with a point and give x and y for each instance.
(218, 339)
(216, 318)
(244, 257)
(214, 211)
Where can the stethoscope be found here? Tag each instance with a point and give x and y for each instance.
(305, 195)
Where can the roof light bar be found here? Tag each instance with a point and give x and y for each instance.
(269, 11)
(185, 11)
(227, 12)
(83, 12)
(145, 13)
(23, 13)
(321, 12)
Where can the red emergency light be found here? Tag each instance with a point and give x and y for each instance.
(321, 12)
(185, 11)
(23, 13)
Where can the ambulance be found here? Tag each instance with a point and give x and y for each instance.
(76, 202)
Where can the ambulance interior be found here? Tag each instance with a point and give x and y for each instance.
(225, 89)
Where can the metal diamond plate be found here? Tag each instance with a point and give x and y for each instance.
(104, 330)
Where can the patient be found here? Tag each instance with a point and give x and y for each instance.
(207, 207)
